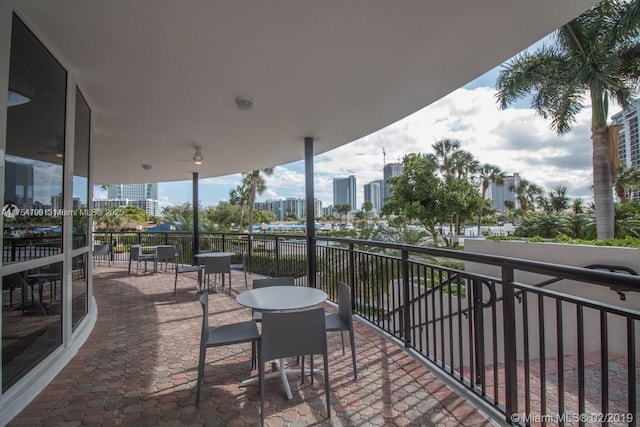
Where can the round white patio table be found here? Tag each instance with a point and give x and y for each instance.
(280, 298)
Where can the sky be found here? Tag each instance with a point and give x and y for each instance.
(515, 139)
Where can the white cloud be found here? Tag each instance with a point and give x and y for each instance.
(516, 140)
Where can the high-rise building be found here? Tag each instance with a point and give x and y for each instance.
(373, 194)
(150, 206)
(499, 193)
(133, 191)
(344, 192)
(18, 184)
(291, 205)
(390, 170)
(145, 196)
(628, 139)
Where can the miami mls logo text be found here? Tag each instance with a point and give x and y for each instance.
(10, 210)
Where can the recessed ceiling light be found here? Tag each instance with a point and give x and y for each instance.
(244, 103)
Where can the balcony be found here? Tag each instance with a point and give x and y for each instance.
(436, 343)
(139, 366)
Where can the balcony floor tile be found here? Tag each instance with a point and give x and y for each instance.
(139, 367)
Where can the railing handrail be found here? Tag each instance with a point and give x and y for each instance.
(601, 278)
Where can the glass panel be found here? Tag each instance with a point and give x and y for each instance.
(79, 286)
(35, 151)
(81, 172)
(31, 319)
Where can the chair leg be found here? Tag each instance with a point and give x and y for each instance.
(342, 338)
(203, 352)
(253, 355)
(311, 367)
(129, 272)
(175, 283)
(246, 286)
(261, 384)
(326, 382)
(353, 353)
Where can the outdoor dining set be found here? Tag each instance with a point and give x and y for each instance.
(286, 320)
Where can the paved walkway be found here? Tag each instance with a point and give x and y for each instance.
(139, 368)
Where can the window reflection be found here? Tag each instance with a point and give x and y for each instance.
(79, 286)
(34, 151)
(31, 319)
(81, 172)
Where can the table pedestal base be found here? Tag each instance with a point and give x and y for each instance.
(281, 372)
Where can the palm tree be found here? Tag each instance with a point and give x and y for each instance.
(488, 174)
(597, 53)
(443, 151)
(240, 195)
(342, 209)
(367, 207)
(258, 186)
(463, 164)
(627, 178)
(558, 198)
(526, 193)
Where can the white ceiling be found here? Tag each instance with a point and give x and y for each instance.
(161, 75)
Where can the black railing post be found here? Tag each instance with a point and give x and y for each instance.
(310, 229)
(478, 330)
(510, 346)
(406, 315)
(14, 246)
(277, 249)
(250, 252)
(224, 243)
(352, 266)
(166, 238)
(139, 238)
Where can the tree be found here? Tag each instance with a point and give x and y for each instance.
(443, 151)
(240, 196)
(267, 217)
(577, 220)
(596, 52)
(418, 193)
(487, 174)
(542, 224)
(526, 193)
(258, 186)
(342, 209)
(627, 178)
(456, 167)
(463, 164)
(135, 214)
(558, 198)
(367, 207)
(224, 215)
(628, 219)
(180, 216)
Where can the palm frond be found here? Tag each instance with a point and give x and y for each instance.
(525, 74)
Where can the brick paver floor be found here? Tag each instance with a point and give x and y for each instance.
(139, 367)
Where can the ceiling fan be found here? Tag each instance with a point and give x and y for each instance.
(56, 149)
